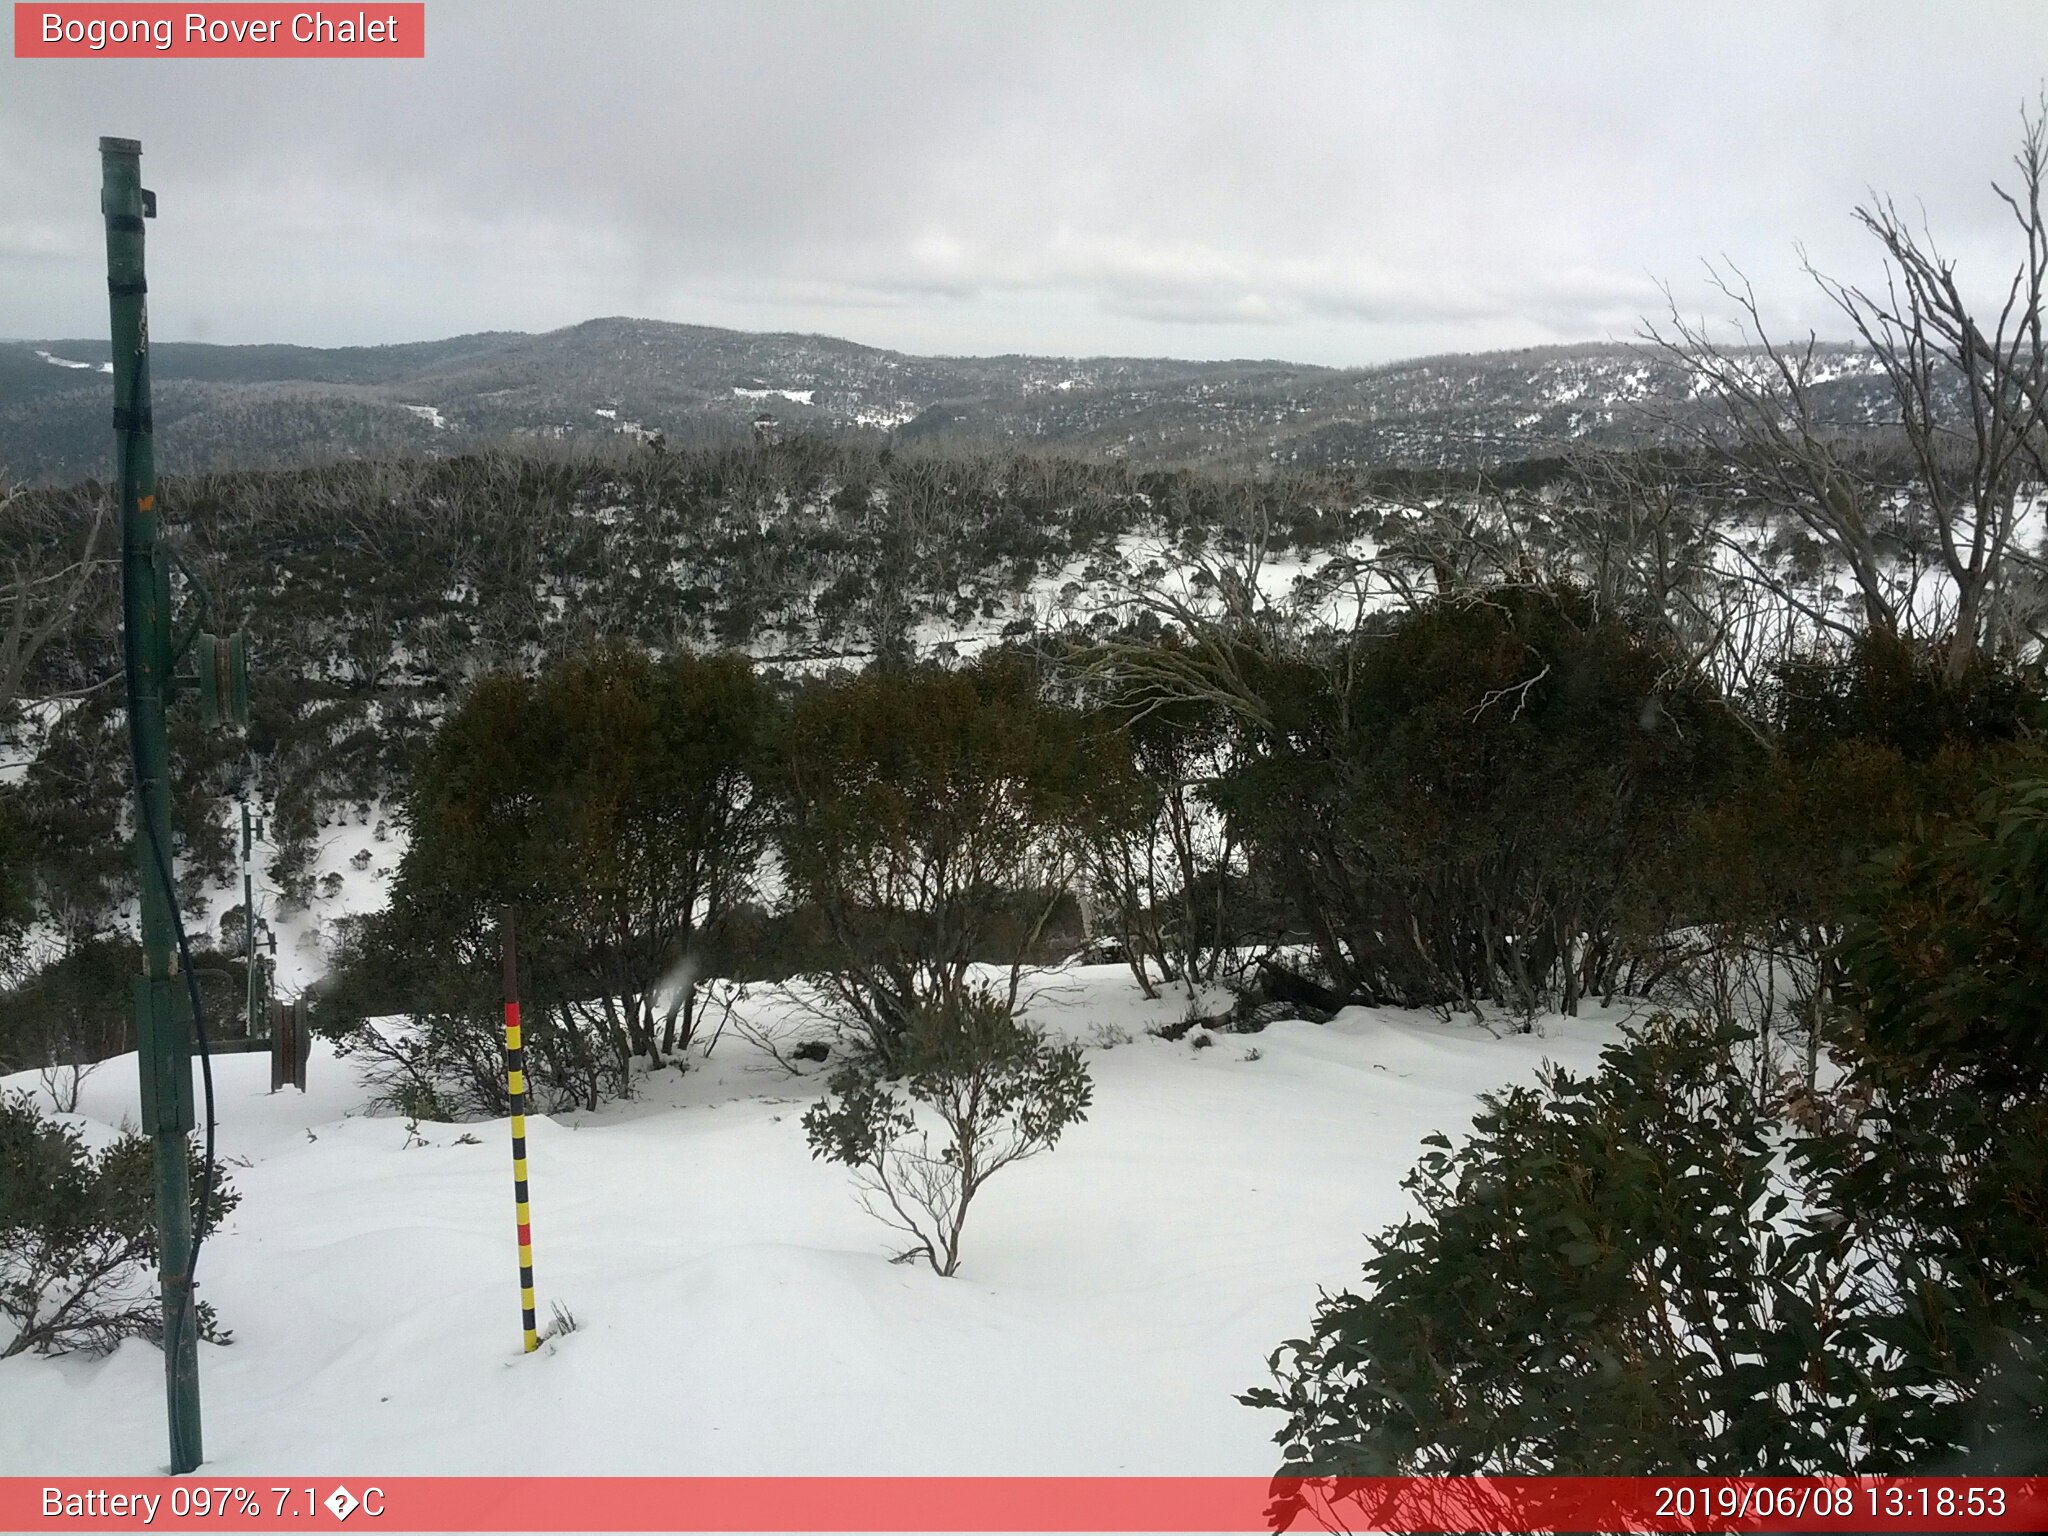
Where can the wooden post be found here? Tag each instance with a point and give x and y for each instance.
(279, 1046)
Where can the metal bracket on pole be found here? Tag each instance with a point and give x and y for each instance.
(161, 1013)
(223, 678)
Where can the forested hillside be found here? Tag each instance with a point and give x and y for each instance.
(373, 592)
(238, 407)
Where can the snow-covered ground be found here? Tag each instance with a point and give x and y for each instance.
(738, 1313)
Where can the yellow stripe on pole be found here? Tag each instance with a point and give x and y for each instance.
(515, 1087)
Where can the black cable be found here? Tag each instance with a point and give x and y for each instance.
(154, 835)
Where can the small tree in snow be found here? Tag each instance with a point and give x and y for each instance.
(1000, 1092)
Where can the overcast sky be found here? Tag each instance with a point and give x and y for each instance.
(1332, 183)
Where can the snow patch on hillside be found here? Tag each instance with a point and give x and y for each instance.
(884, 417)
(65, 362)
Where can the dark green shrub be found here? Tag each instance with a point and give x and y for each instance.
(1457, 805)
(1945, 1172)
(928, 820)
(1162, 868)
(1599, 1282)
(1648, 1271)
(78, 1007)
(1896, 692)
(1873, 743)
(78, 1236)
(17, 855)
(612, 804)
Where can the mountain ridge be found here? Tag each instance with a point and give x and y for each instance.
(221, 406)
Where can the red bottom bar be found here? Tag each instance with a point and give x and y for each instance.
(1024, 1504)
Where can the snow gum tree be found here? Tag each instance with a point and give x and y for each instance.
(1965, 452)
(613, 804)
(999, 1092)
(929, 821)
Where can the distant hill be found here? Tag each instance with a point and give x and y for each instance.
(219, 407)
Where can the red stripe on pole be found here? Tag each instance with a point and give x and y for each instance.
(525, 1233)
(1024, 1504)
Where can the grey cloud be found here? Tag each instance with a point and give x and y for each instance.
(1340, 182)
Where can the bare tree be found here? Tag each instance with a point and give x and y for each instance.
(1973, 405)
(1647, 536)
(39, 593)
(1972, 417)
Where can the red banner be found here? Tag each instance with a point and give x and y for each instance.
(920, 1504)
(260, 31)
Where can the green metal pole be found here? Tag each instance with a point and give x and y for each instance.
(161, 1026)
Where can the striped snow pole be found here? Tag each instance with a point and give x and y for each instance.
(515, 1086)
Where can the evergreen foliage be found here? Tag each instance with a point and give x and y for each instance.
(78, 1241)
(1596, 1283)
(929, 820)
(1455, 805)
(1162, 866)
(1649, 1271)
(613, 805)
